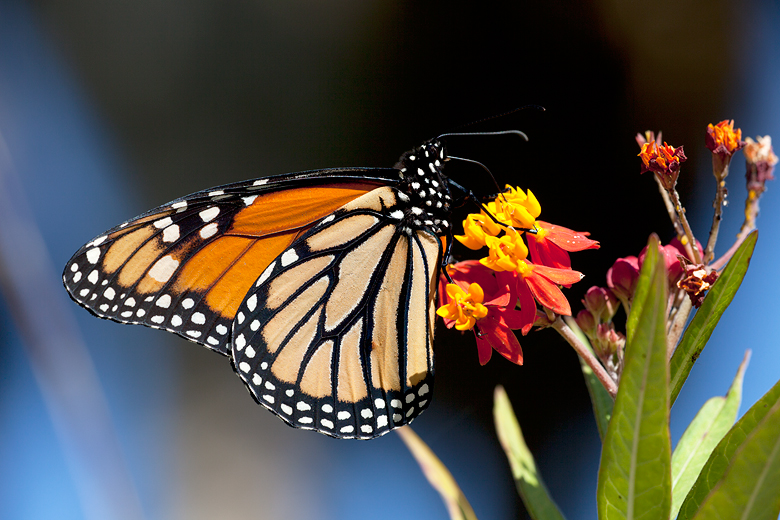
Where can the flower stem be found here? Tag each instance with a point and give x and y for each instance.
(721, 171)
(586, 354)
(670, 208)
(690, 247)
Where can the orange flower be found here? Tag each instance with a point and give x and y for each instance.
(664, 161)
(722, 139)
(549, 245)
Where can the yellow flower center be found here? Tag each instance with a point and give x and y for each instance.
(465, 308)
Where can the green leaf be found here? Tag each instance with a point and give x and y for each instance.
(635, 472)
(722, 455)
(707, 317)
(750, 489)
(706, 430)
(637, 301)
(528, 481)
(599, 397)
(438, 475)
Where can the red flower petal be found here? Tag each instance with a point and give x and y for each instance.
(547, 293)
(568, 239)
(545, 252)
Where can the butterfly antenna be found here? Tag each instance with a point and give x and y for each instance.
(501, 132)
(503, 114)
(472, 161)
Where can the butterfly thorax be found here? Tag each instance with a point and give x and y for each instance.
(425, 185)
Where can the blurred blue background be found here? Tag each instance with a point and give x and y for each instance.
(110, 108)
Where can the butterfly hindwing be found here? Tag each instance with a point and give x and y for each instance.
(186, 266)
(336, 334)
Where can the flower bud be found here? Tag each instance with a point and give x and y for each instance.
(622, 277)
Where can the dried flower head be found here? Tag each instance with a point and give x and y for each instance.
(664, 161)
(723, 140)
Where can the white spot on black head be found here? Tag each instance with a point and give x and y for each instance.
(436, 162)
(415, 185)
(422, 194)
(420, 171)
(412, 157)
(427, 202)
(397, 214)
(432, 168)
(416, 210)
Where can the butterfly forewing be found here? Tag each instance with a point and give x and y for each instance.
(336, 334)
(186, 266)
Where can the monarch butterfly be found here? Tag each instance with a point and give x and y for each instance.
(319, 286)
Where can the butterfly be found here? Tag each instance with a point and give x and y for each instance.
(319, 286)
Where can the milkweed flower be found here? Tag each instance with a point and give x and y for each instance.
(464, 307)
(722, 139)
(761, 161)
(499, 299)
(664, 161)
(477, 227)
(515, 208)
(551, 244)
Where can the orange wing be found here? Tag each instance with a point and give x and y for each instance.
(186, 266)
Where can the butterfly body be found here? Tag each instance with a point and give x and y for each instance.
(319, 286)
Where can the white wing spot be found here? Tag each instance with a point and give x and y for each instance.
(343, 416)
(430, 165)
(423, 390)
(163, 222)
(366, 428)
(240, 342)
(209, 213)
(260, 182)
(379, 403)
(216, 193)
(99, 240)
(211, 340)
(77, 277)
(256, 379)
(254, 325)
(188, 303)
(327, 219)
(240, 318)
(208, 231)
(422, 403)
(397, 417)
(171, 233)
(268, 398)
(93, 255)
(176, 320)
(158, 319)
(194, 333)
(417, 211)
(198, 318)
(366, 413)
(130, 302)
(286, 408)
(104, 307)
(127, 314)
(221, 330)
(163, 269)
(304, 407)
(93, 276)
(396, 403)
(265, 275)
(250, 352)
(409, 412)
(140, 313)
(410, 398)
(347, 429)
(269, 385)
(109, 293)
(305, 420)
(289, 257)
(249, 200)
(179, 205)
(327, 408)
(251, 303)
(415, 185)
(164, 301)
(74, 267)
(326, 423)
(397, 214)
(263, 365)
(381, 421)
(289, 392)
(244, 367)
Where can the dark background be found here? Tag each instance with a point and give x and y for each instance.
(137, 103)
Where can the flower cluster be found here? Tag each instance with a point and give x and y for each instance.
(500, 292)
